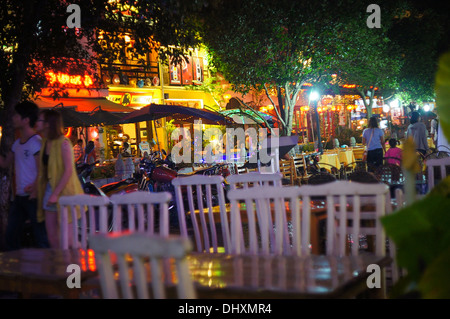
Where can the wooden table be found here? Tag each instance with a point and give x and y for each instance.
(244, 276)
(44, 271)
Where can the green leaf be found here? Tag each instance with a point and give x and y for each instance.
(435, 282)
(421, 231)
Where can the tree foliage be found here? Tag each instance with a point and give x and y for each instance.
(35, 37)
(421, 33)
(366, 57)
(273, 46)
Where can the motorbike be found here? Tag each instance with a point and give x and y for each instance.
(84, 170)
(157, 173)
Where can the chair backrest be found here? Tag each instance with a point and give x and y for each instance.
(94, 218)
(151, 258)
(390, 174)
(254, 179)
(355, 202)
(440, 166)
(140, 211)
(240, 169)
(300, 167)
(287, 170)
(205, 202)
(321, 178)
(266, 234)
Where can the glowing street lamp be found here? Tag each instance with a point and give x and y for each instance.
(314, 96)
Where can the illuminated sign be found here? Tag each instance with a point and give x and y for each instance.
(66, 79)
(130, 99)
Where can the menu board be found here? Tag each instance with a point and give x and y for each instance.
(174, 73)
(186, 74)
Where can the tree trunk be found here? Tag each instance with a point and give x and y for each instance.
(368, 105)
(11, 96)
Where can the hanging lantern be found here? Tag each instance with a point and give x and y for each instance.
(106, 79)
(116, 79)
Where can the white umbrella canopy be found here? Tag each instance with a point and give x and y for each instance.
(246, 116)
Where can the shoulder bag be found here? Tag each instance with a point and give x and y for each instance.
(367, 146)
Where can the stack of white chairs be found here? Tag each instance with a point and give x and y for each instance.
(202, 210)
(139, 257)
(267, 234)
(441, 164)
(141, 210)
(93, 213)
(253, 179)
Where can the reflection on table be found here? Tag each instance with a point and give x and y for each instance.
(45, 271)
(245, 276)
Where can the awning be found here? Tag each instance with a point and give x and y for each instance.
(83, 104)
(178, 112)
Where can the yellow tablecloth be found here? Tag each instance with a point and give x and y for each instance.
(331, 159)
(358, 153)
(346, 157)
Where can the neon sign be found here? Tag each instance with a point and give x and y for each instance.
(66, 79)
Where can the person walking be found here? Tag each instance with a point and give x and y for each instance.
(78, 152)
(24, 156)
(394, 153)
(418, 131)
(90, 157)
(57, 174)
(373, 138)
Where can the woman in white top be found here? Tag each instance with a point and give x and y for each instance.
(373, 138)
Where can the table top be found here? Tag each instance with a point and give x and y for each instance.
(46, 264)
(314, 276)
(331, 159)
(217, 275)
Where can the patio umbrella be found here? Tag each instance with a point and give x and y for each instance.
(72, 118)
(102, 117)
(246, 116)
(178, 112)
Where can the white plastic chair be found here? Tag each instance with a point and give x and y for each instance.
(145, 250)
(94, 218)
(259, 203)
(400, 202)
(201, 210)
(252, 179)
(345, 194)
(441, 164)
(142, 207)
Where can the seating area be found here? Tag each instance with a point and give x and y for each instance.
(297, 214)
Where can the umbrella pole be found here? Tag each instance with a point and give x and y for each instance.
(156, 134)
